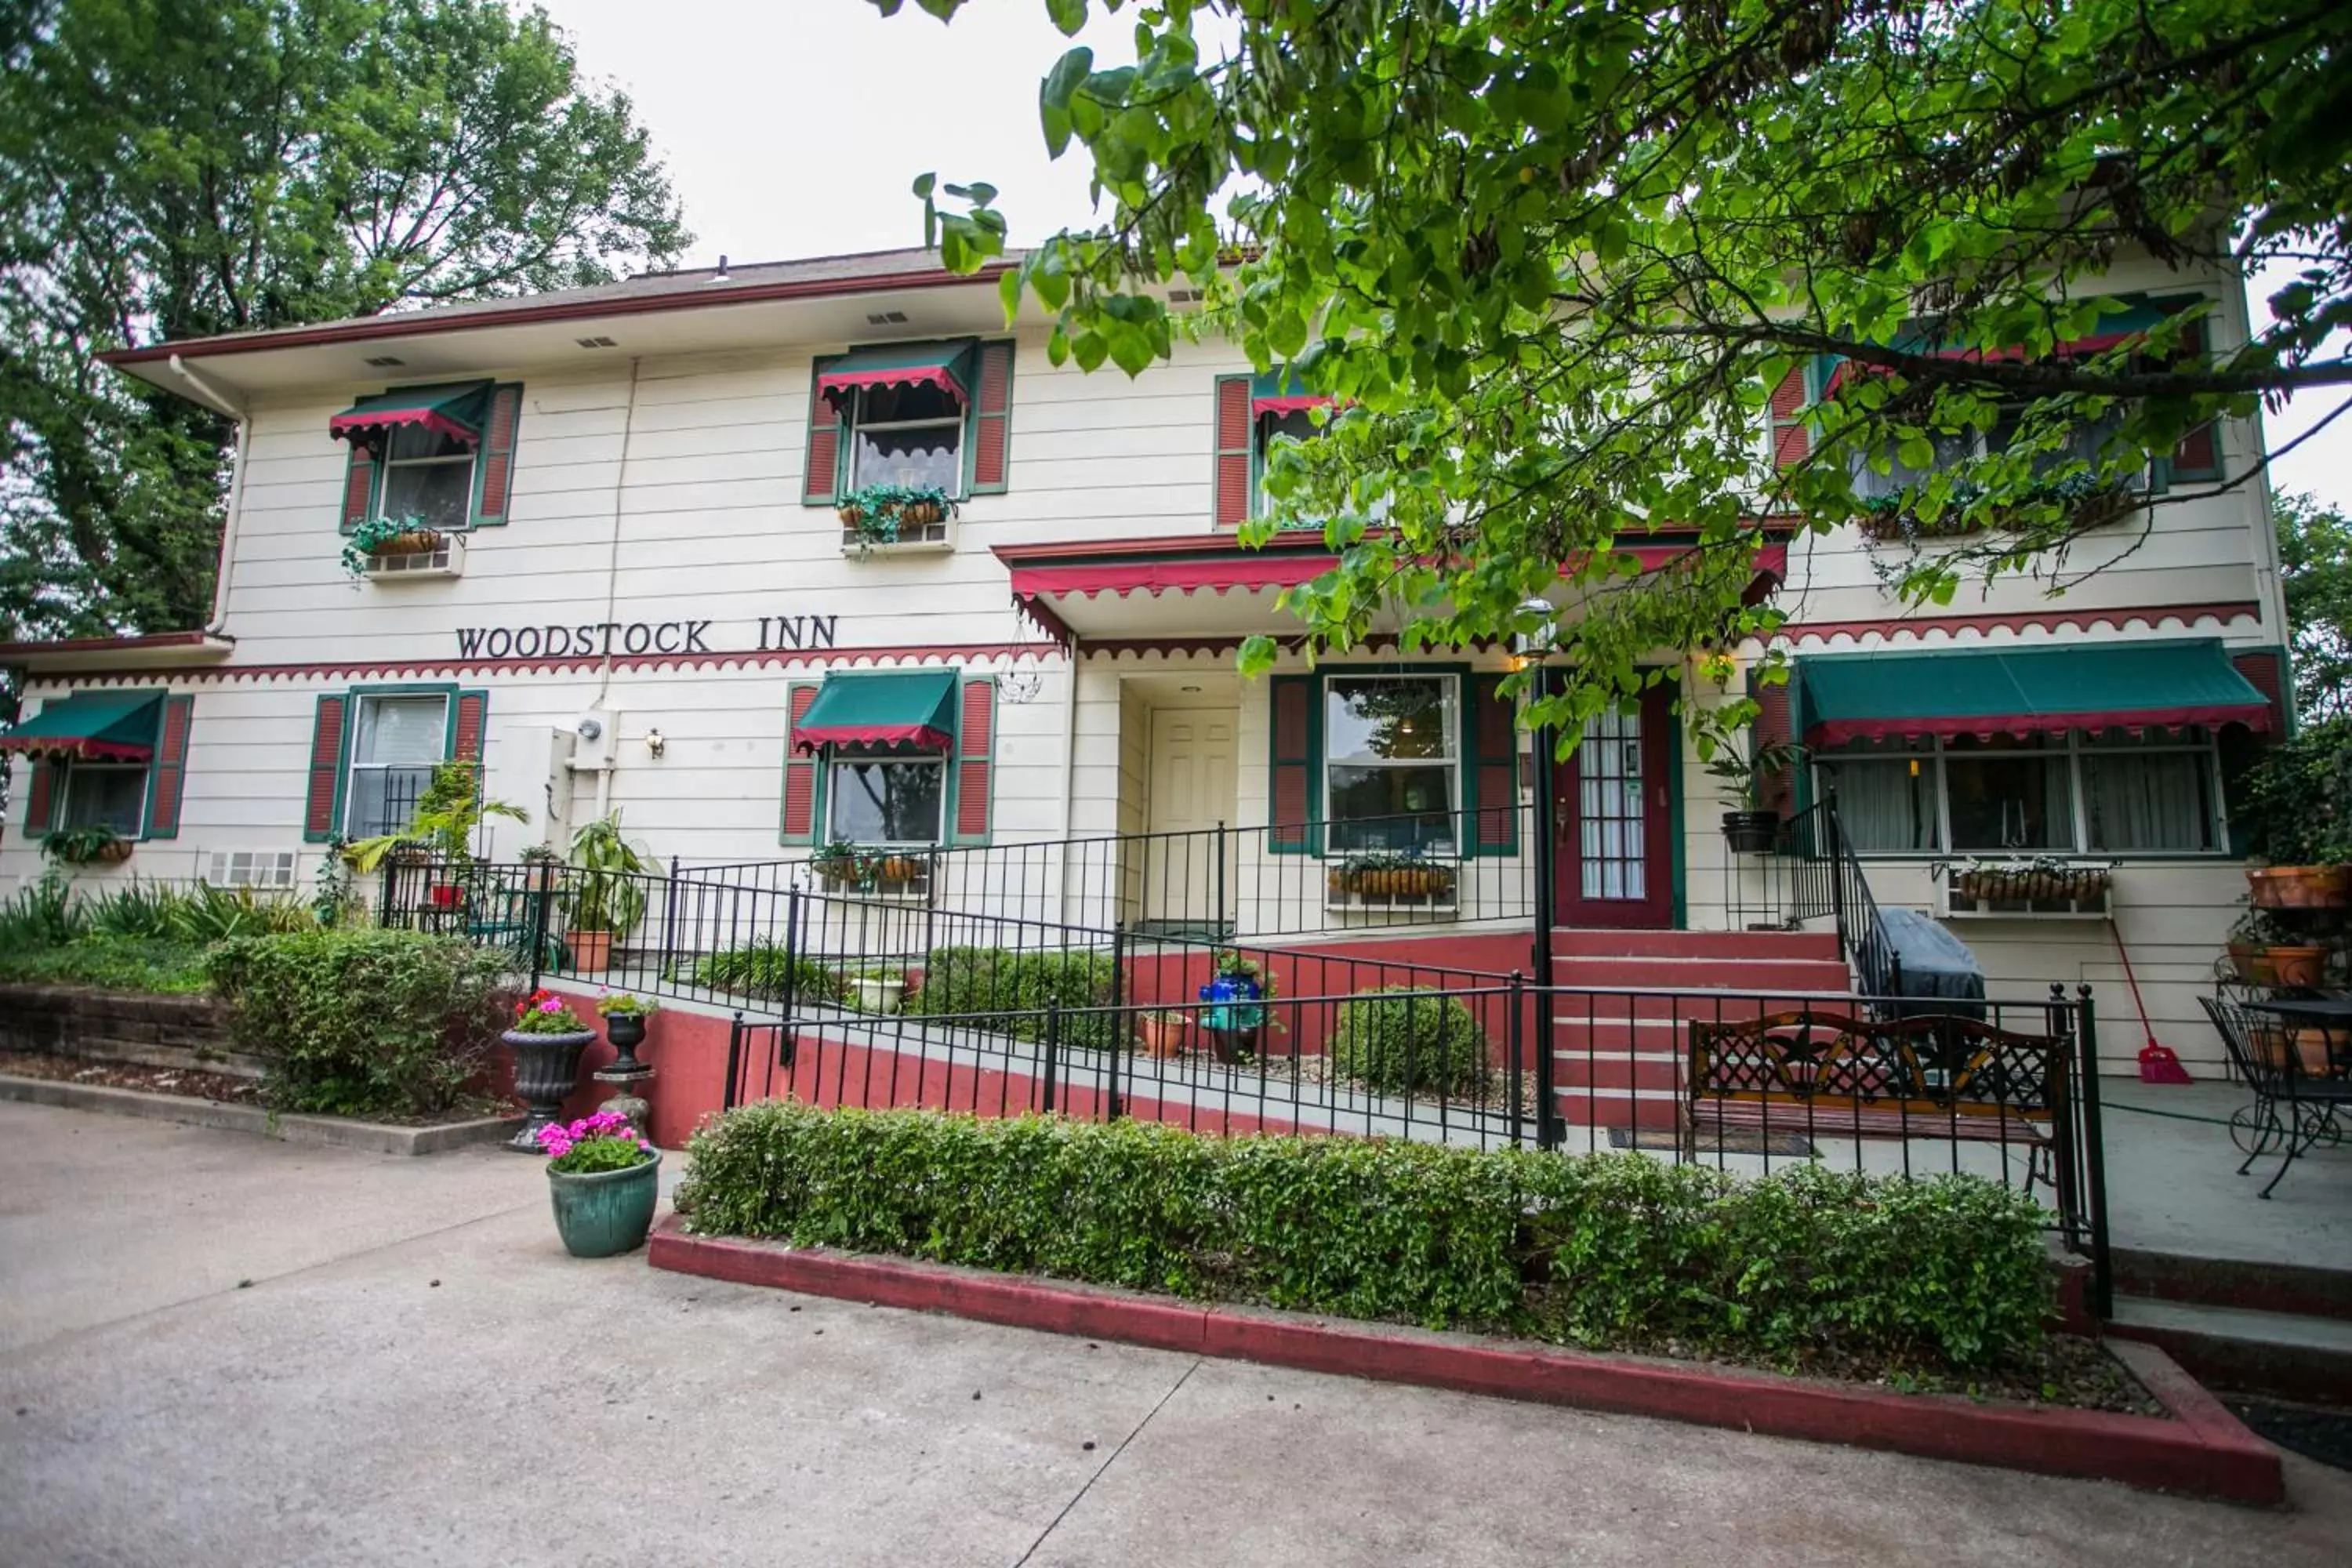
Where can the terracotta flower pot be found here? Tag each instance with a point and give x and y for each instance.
(2299, 886)
(2298, 966)
(592, 951)
(1164, 1034)
(2252, 964)
(2311, 1052)
(113, 854)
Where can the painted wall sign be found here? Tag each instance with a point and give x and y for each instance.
(601, 639)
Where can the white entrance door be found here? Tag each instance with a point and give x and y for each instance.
(1188, 868)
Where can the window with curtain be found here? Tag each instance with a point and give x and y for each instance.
(396, 742)
(427, 476)
(2115, 793)
(911, 436)
(1391, 747)
(105, 794)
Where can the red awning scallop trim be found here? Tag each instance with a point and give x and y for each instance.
(808, 741)
(348, 425)
(77, 750)
(1288, 403)
(835, 384)
(1838, 732)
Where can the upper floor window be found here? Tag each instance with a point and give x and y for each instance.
(912, 416)
(1252, 412)
(441, 457)
(907, 434)
(428, 476)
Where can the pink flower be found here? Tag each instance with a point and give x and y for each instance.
(550, 1006)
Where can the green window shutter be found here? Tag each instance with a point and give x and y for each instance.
(991, 420)
(975, 761)
(1292, 752)
(322, 810)
(167, 773)
(1236, 453)
(799, 821)
(821, 477)
(494, 474)
(358, 487)
(1495, 769)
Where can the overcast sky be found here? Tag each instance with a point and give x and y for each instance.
(794, 126)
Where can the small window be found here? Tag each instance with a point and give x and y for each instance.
(395, 744)
(911, 436)
(2151, 791)
(1391, 747)
(2009, 792)
(885, 800)
(101, 795)
(427, 476)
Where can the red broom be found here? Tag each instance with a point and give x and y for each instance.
(2158, 1064)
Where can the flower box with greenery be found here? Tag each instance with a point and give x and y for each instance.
(93, 845)
(2039, 885)
(603, 1180)
(895, 516)
(545, 1039)
(843, 866)
(878, 989)
(2295, 804)
(2089, 501)
(1391, 878)
(370, 544)
(2266, 950)
(606, 893)
(626, 1015)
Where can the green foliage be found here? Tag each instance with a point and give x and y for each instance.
(543, 1011)
(881, 510)
(112, 962)
(195, 913)
(1552, 259)
(593, 1156)
(79, 846)
(177, 168)
(2314, 545)
(366, 537)
(1008, 989)
(761, 969)
(2295, 803)
(1607, 1251)
(449, 814)
(609, 893)
(1404, 1041)
(360, 1022)
(41, 914)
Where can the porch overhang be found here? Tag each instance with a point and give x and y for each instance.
(1212, 586)
(74, 655)
(2025, 691)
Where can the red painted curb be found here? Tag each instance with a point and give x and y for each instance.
(2204, 1450)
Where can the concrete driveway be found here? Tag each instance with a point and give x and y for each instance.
(217, 1349)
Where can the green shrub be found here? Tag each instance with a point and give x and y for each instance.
(362, 1022)
(111, 962)
(760, 970)
(1607, 1251)
(42, 914)
(1402, 1041)
(1008, 989)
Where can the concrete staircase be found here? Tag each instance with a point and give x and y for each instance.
(1617, 1054)
(2276, 1328)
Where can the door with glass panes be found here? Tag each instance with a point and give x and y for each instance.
(1614, 819)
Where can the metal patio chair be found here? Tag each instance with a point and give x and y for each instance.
(2291, 1110)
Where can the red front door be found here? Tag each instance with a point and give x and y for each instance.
(1615, 857)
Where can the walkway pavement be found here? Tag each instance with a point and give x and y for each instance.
(217, 1350)
(2173, 1182)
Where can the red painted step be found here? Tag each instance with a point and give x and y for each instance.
(1601, 1108)
(1754, 975)
(1763, 944)
(1660, 1074)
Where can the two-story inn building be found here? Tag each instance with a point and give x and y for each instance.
(645, 598)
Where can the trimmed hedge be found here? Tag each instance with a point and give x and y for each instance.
(762, 968)
(1007, 989)
(1603, 1251)
(1408, 1041)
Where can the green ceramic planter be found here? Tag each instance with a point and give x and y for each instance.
(605, 1212)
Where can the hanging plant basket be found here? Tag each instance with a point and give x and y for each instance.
(2041, 887)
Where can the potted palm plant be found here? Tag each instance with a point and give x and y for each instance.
(449, 814)
(1745, 766)
(608, 895)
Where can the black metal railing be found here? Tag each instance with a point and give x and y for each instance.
(1812, 873)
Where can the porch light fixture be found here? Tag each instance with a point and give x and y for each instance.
(1547, 630)
(655, 744)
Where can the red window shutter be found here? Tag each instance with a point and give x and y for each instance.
(975, 761)
(358, 487)
(992, 435)
(167, 773)
(1234, 454)
(2198, 455)
(1291, 753)
(2264, 672)
(821, 475)
(497, 482)
(41, 797)
(799, 821)
(1791, 440)
(1773, 727)
(1495, 727)
(466, 728)
(326, 784)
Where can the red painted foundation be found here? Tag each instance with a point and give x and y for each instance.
(2202, 1450)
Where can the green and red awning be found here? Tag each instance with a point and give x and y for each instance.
(881, 710)
(455, 411)
(947, 366)
(1281, 392)
(2024, 691)
(91, 727)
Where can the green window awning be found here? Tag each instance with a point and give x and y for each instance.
(2024, 691)
(914, 708)
(456, 410)
(947, 366)
(91, 727)
(1281, 392)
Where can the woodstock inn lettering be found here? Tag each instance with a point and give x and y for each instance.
(601, 639)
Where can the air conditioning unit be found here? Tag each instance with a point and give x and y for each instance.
(251, 868)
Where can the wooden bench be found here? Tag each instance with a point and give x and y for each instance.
(1836, 1076)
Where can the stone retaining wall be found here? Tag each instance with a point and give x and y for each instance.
(182, 1032)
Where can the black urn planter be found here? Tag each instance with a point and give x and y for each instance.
(547, 1069)
(627, 1032)
(1752, 832)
